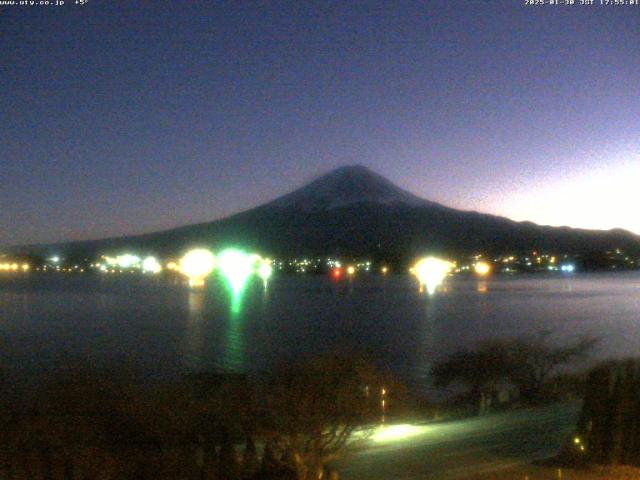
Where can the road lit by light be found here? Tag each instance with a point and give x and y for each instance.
(397, 433)
(431, 272)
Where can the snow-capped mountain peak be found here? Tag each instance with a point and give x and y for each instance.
(347, 186)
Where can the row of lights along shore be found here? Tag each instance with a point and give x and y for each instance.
(237, 266)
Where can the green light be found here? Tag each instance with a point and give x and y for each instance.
(234, 341)
(236, 266)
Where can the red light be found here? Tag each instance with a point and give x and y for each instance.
(336, 273)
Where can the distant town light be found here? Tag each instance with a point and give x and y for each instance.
(265, 270)
(173, 266)
(336, 273)
(127, 260)
(482, 268)
(151, 265)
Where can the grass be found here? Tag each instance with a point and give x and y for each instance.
(532, 472)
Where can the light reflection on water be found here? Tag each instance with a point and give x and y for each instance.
(164, 329)
(194, 335)
(234, 341)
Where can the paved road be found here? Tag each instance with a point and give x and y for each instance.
(456, 449)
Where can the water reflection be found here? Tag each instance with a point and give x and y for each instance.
(306, 315)
(234, 338)
(567, 286)
(195, 344)
(196, 303)
(427, 344)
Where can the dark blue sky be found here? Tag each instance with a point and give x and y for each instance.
(124, 117)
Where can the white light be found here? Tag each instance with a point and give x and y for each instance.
(151, 265)
(482, 268)
(265, 270)
(396, 433)
(197, 264)
(127, 260)
(431, 272)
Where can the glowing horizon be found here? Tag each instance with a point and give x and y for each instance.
(599, 198)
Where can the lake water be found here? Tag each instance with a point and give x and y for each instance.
(161, 329)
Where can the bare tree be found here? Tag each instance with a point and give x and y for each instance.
(314, 409)
(527, 363)
(533, 360)
(480, 371)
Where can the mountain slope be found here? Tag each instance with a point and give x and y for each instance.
(353, 211)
